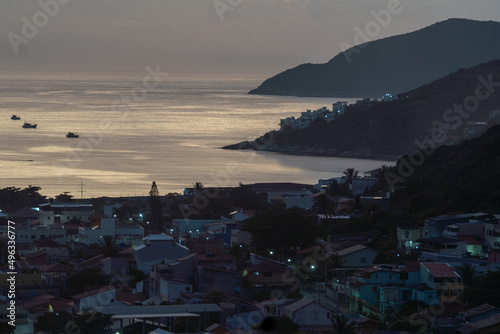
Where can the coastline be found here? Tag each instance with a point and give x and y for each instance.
(308, 151)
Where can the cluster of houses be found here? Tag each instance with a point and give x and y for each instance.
(471, 129)
(454, 236)
(182, 267)
(339, 108)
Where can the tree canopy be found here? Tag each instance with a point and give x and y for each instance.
(281, 324)
(13, 199)
(281, 229)
(484, 289)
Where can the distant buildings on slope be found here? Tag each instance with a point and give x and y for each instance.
(339, 108)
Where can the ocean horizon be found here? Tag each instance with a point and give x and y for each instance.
(131, 133)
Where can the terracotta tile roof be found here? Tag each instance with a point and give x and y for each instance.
(93, 292)
(36, 301)
(48, 243)
(269, 266)
(471, 239)
(22, 264)
(37, 258)
(58, 304)
(129, 298)
(71, 228)
(483, 308)
(440, 269)
(93, 261)
(476, 327)
(215, 258)
(56, 268)
(25, 213)
(61, 305)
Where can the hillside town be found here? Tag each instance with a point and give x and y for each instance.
(281, 257)
(450, 133)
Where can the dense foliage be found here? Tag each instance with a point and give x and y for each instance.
(13, 199)
(281, 230)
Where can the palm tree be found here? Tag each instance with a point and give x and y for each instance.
(342, 325)
(108, 246)
(468, 273)
(323, 206)
(198, 187)
(349, 175)
(156, 206)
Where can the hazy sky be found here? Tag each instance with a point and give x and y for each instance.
(204, 36)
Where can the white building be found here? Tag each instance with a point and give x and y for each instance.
(63, 212)
(308, 313)
(339, 107)
(492, 234)
(122, 234)
(34, 233)
(408, 237)
(92, 299)
(301, 201)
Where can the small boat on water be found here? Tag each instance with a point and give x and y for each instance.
(14, 117)
(27, 125)
(72, 135)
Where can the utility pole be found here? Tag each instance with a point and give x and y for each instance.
(81, 189)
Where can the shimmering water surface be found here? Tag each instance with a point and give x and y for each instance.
(130, 136)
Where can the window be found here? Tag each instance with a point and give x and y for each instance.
(374, 289)
(328, 315)
(256, 273)
(429, 296)
(188, 288)
(268, 274)
(407, 234)
(363, 260)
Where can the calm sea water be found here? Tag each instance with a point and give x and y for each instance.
(170, 134)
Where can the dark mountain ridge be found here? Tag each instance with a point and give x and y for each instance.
(390, 129)
(460, 178)
(393, 64)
